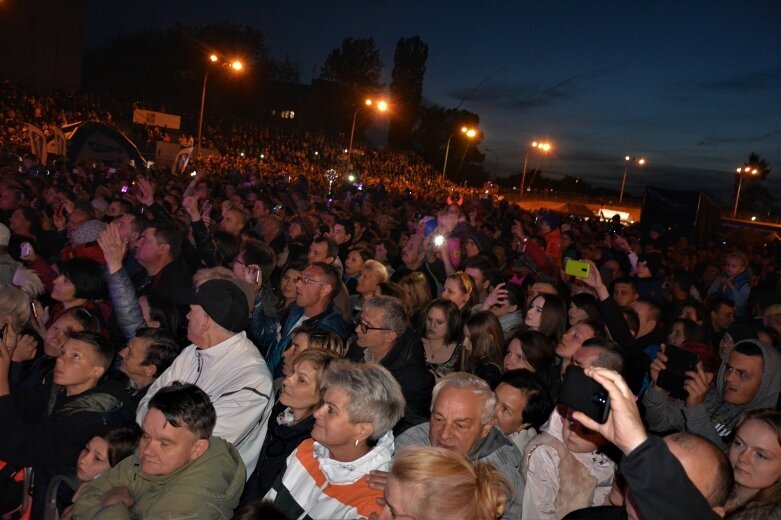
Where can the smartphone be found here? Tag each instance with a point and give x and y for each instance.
(577, 268)
(124, 188)
(206, 208)
(581, 393)
(679, 361)
(25, 249)
(439, 240)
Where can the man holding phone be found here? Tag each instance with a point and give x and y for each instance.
(749, 378)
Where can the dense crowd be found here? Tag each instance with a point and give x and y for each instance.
(264, 339)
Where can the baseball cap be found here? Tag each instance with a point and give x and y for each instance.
(222, 300)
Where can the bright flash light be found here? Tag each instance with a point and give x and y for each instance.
(627, 158)
(351, 178)
(753, 218)
(368, 102)
(641, 162)
(471, 133)
(237, 65)
(213, 58)
(382, 106)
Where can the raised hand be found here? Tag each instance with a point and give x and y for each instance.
(657, 365)
(697, 384)
(113, 247)
(623, 427)
(146, 191)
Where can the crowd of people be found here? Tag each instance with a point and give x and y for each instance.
(267, 340)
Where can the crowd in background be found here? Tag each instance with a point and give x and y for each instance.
(384, 345)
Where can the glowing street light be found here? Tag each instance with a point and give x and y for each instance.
(543, 147)
(468, 132)
(380, 106)
(629, 160)
(742, 172)
(234, 65)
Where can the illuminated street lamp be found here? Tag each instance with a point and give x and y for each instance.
(468, 132)
(629, 160)
(542, 147)
(380, 106)
(742, 172)
(235, 66)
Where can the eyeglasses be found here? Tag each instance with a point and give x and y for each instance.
(311, 281)
(365, 327)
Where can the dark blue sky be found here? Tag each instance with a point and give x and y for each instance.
(692, 86)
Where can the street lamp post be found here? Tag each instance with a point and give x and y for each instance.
(741, 173)
(381, 106)
(543, 147)
(640, 162)
(468, 132)
(236, 65)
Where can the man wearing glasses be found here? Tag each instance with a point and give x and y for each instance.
(387, 338)
(313, 308)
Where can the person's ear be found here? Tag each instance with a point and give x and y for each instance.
(199, 448)
(165, 248)
(486, 428)
(97, 372)
(365, 431)
(149, 370)
(719, 511)
(154, 324)
(326, 289)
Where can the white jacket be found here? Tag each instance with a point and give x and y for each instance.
(235, 377)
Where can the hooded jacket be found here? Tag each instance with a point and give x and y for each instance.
(316, 486)
(206, 488)
(714, 418)
(495, 448)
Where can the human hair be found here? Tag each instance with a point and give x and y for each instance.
(320, 359)
(86, 276)
(362, 252)
(692, 332)
(772, 420)
(748, 347)
(226, 247)
(99, 344)
(465, 284)
(261, 510)
(539, 404)
(627, 280)
(483, 264)
(393, 315)
(33, 216)
(323, 340)
(164, 311)
(168, 234)
(466, 381)
(258, 253)
(714, 302)
(720, 484)
(347, 224)
(487, 339)
(14, 303)
(538, 349)
(739, 255)
(611, 354)
(553, 322)
(450, 486)
(654, 310)
(632, 320)
(391, 247)
(417, 287)
(378, 269)
(587, 303)
(332, 277)
(452, 319)
(186, 405)
(333, 247)
(374, 394)
(161, 350)
(596, 327)
(122, 442)
(88, 321)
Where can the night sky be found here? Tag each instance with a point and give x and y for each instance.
(693, 88)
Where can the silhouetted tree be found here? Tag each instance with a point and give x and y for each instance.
(406, 89)
(356, 64)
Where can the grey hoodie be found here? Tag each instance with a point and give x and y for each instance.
(714, 419)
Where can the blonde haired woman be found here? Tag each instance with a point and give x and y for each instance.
(432, 483)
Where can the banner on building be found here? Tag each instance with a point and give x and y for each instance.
(149, 117)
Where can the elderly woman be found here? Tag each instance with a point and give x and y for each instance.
(325, 475)
(373, 273)
(291, 419)
(432, 483)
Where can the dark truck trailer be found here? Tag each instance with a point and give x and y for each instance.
(681, 213)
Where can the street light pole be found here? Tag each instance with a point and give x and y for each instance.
(741, 172)
(640, 161)
(545, 147)
(382, 106)
(236, 65)
(469, 132)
